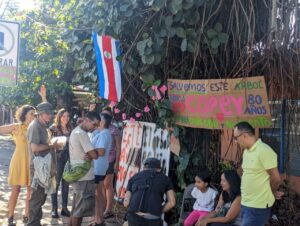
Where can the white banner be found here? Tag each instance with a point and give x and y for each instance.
(140, 141)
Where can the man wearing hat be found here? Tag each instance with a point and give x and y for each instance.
(145, 195)
(38, 145)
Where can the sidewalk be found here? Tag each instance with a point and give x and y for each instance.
(6, 151)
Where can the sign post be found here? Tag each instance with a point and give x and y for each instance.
(9, 49)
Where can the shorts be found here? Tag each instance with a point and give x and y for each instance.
(83, 199)
(111, 168)
(99, 178)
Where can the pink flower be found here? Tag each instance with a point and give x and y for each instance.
(153, 98)
(137, 115)
(117, 110)
(132, 119)
(163, 89)
(124, 116)
(158, 96)
(220, 117)
(154, 87)
(146, 109)
(112, 104)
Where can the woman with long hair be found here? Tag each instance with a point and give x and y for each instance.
(227, 212)
(19, 173)
(113, 167)
(62, 127)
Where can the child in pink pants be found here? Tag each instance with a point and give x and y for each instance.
(205, 198)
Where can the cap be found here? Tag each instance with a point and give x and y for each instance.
(152, 163)
(44, 107)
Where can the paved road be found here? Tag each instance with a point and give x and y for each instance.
(6, 151)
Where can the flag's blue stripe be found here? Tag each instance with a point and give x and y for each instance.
(101, 81)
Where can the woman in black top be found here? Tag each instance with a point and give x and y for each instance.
(227, 212)
(61, 127)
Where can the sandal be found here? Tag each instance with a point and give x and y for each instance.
(108, 214)
(95, 224)
(11, 221)
(25, 219)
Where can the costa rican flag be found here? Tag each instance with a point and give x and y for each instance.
(109, 68)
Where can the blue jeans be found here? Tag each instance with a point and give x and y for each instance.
(62, 158)
(255, 216)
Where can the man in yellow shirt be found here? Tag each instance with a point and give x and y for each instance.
(260, 179)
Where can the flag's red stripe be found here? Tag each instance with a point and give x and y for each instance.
(106, 45)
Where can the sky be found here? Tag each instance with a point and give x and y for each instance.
(23, 4)
(26, 4)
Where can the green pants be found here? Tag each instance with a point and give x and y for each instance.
(36, 201)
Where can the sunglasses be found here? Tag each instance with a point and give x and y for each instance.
(236, 137)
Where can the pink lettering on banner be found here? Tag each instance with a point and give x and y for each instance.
(224, 104)
(227, 105)
(191, 104)
(212, 104)
(202, 105)
(238, 103)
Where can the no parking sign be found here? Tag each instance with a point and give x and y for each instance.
(9, 50)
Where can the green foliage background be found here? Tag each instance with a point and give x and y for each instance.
(160, 39)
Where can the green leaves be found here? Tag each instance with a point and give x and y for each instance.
(187, 4)
(183, 45)
(215, 43)
(168, 20)
(216, 36)
(218, 27)
(223, 37)
(175, 6)
(211, 33)
(141, 45)
(148, 59)
(158, 4)
(180, 32)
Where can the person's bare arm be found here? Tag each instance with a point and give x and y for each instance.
(214, 212)
(127, 199)
(230, 216)
(7, 129)
(43, 93)
(275, 179)
(171, 201)
(43, 147)
(118, 152)
(94, 154)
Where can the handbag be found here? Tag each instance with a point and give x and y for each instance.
(73, 172)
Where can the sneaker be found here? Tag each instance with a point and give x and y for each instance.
(108, 214)
(65, 212)
(54, 214)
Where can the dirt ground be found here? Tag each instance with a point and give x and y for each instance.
(6, 151)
